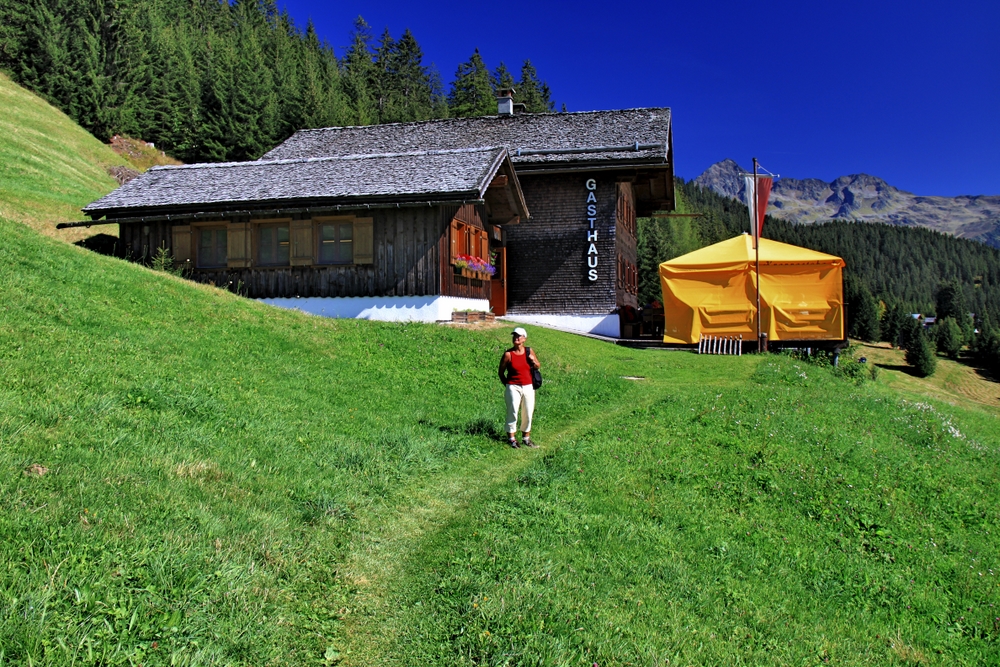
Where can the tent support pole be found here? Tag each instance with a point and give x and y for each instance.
(756, 246)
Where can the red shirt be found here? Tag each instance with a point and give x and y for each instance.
(518, 371)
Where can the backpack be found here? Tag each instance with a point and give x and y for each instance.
(536, 375)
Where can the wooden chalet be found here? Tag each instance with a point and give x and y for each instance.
(385, 212)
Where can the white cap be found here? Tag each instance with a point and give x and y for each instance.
(520, 332)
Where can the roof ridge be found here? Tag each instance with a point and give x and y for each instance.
(327, 158)
(472, 118)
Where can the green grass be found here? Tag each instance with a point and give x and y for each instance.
(49, 166)
(790, 519)
(227, 483)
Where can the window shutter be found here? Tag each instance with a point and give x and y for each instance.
(238, 245)
(484, 245)
(181, 243)
(453, 237)
(302, 243)
(364, 241)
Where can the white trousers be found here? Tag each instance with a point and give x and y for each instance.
(519, 398)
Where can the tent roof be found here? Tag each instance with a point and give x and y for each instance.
(739, 249)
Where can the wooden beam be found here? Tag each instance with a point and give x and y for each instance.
(499, 181)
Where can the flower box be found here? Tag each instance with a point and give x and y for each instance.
(473, 267)
(469, 273)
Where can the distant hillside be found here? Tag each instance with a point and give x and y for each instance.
(49, 166)
(868, 199)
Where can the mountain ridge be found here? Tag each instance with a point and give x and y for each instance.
(865, 198)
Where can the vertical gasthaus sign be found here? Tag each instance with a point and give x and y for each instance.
(592, 229)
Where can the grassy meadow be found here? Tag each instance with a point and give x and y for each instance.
(191, 478)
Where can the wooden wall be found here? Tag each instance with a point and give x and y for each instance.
(410, 258)
(139, 241)
(547, 255)
(626, 250)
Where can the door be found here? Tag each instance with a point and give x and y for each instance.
(498, 285)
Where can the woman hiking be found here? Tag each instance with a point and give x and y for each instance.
(515, 373)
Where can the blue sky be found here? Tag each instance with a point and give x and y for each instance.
(907, 91)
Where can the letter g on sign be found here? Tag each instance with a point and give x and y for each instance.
(591, 184)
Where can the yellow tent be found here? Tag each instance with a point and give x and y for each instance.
(712, 291)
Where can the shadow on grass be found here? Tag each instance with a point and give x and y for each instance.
(985, 374)
(481, 426)
(103, 244)
(902, 368)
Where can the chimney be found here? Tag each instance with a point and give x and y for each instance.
(505, 102)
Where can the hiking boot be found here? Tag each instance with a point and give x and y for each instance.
(513, 443)
(528, 442)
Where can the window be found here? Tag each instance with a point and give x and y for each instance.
(332, 241)
(336, 243)
(273, 245)
(628, 276)
(469, 241)
(625, 209)
(212, 247)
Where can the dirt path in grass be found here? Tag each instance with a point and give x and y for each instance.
(381, 552)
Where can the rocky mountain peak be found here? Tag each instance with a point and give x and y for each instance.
(866, 198)
(724, 178)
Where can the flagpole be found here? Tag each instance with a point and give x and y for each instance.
(756, 244)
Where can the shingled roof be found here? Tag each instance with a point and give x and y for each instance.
(610, 138)
(415, 176)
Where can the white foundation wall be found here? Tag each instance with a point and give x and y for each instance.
(602, 325)
(386, 308)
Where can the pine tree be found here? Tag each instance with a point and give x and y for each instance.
(218, 128)
(532, 93)
(891, 325)
(862, 314)
(471, 92)
(130, 68)
(948, 337)
(920, 355)
(909, 332)
(85, 59)
(659, 240)
(950, 301)
(405, 89)
(501, 78)
(383, 84)
(439, 98)
(360, 78)
(323, 101)
(282, 53)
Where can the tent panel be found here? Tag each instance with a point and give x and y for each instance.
(706, 302)
(806, 305)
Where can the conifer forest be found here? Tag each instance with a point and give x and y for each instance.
(212, 81)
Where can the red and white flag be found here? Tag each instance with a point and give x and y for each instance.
(757, 196)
